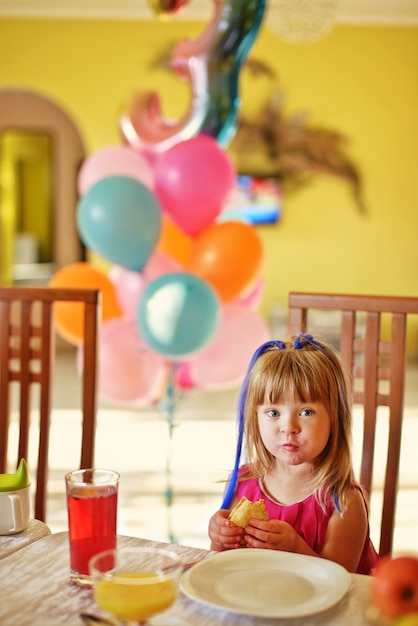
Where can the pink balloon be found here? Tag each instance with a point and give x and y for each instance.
(114, 161)
(129, 285)
(159, 264)
(182, 378)
(164, 8)
(129, 371)
(192, 181)
(223, 363)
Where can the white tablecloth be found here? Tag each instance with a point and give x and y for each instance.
(36, 591)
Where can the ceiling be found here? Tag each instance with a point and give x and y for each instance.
(395, 12)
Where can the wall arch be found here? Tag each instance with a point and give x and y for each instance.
(28, 111)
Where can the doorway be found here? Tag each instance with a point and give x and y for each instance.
(27, 219)
(40, 155)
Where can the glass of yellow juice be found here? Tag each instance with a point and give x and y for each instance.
(133, 584)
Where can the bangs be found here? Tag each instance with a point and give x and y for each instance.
(292, 377)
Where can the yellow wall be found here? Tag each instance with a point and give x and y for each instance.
(360, 81)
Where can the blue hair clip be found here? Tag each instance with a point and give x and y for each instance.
(304, 339)
(274, 343)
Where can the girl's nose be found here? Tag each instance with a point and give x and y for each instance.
(289, 425)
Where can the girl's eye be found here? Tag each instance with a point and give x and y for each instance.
(272, 413)
(306, 412)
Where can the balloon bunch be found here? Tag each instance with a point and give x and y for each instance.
(182, 286)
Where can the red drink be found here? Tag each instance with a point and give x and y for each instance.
(92, 500)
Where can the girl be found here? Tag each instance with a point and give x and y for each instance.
(294, 419)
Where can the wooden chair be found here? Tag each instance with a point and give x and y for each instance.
(373, 347)
(27, 358)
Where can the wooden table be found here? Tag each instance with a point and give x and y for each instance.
(12, 543)
(35, 590)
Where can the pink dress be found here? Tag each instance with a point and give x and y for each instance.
(308, 519)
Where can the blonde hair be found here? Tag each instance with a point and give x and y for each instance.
(309, 371)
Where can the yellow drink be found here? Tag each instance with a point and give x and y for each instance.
(135, 595)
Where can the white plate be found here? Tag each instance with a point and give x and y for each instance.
(266, 583)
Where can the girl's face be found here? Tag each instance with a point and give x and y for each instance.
(294, 432)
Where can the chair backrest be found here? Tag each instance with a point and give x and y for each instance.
(372, 345)
(27, 352)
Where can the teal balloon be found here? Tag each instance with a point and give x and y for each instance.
(178, 315)
(120, 219)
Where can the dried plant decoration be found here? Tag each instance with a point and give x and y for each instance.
(287, 149)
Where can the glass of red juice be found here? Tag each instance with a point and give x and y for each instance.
(92, 502)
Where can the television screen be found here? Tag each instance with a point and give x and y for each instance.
(254, 200)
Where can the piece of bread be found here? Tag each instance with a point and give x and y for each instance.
(245, 510)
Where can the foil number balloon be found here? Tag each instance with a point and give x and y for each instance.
(211, 64)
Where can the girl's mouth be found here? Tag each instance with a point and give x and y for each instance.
(290, 447)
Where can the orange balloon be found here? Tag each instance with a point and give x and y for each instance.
(229, 256)
(69, 316)
(173, 241)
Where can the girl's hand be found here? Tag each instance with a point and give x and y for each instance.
(272, 535)
(222, 534)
